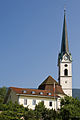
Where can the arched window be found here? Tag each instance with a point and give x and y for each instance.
(66, 72)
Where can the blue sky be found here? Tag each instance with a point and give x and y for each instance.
(30, 40)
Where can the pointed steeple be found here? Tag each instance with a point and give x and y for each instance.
(64, 45)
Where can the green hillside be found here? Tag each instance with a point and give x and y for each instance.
(76, 93)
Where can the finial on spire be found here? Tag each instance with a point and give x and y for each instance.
(64, 9)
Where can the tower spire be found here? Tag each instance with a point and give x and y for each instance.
(65, 62)
(64, 45)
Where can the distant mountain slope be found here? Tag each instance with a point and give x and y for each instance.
(76, 93)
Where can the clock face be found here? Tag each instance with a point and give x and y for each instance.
(66, 57)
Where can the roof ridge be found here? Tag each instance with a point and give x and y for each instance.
(49, 79)
(28, 89)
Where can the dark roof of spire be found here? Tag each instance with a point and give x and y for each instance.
(64, 45)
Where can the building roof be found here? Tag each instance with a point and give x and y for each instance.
(64, 45)
(49, 81)
(59, 90)
(48, 84)
(27, 91)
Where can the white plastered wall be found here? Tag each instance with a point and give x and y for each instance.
(55, 102)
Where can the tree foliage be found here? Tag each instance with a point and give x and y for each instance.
(3, 91)
(70, 108)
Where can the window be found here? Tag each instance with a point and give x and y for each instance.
(33, 92)
(66, 72)
(50, 103)
(24, 91)
(10, 96)
(34, 102)
(25, 101)
(66, 65)
(49, 93)
(41, 93)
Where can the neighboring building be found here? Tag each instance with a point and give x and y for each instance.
(49, 91)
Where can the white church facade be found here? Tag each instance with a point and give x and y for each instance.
(49, 91)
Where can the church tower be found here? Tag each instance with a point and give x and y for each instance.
(65, 63)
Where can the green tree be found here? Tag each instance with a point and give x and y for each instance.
(43, 113)
(3, 91)
(70, 108)
(12, 111)
(40, 110)
(29, 115)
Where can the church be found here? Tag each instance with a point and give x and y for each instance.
(49, 91)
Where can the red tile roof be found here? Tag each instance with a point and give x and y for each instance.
(58, 90)
(26, 91)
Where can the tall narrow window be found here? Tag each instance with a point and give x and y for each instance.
(66, 72)
(50, 103)
(25, 101)
(34, 102)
